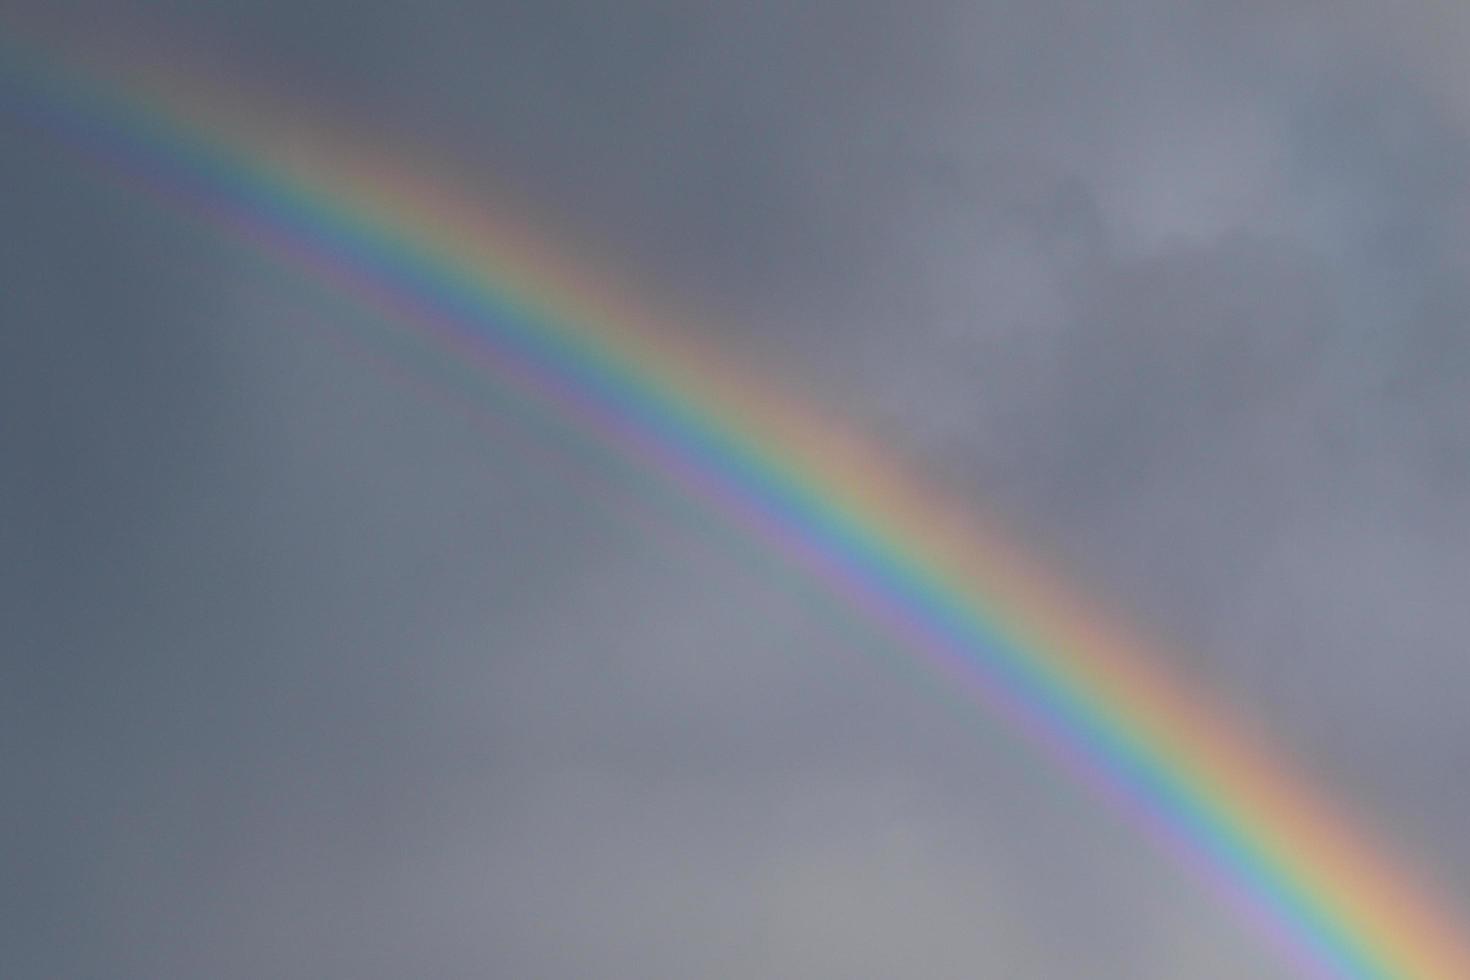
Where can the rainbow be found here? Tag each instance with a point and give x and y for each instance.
(915, 563)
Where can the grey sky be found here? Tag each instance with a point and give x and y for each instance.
(312, 675)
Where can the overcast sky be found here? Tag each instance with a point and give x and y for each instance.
(309, 671)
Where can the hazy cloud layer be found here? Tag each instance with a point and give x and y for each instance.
(314, 673)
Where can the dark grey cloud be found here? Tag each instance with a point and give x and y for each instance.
(314, 672)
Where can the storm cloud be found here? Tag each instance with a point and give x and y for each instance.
(309, 673)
